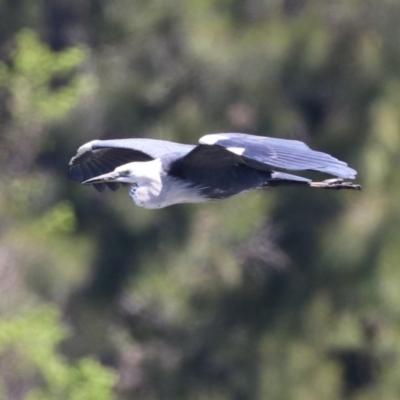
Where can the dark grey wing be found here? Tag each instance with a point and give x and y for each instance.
(271, 153)
(217, 173)
(103, 156)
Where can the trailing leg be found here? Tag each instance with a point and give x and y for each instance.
(335, 183)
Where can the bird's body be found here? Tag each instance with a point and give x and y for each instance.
(157, 189)
(222, 165)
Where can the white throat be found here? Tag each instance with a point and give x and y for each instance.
(147, 194)
(153, 188)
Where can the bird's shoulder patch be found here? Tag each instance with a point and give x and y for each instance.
(212, 138)
(236, 150)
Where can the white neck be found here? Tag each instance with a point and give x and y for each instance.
(168, 192)
(153, 188)
(148, 185)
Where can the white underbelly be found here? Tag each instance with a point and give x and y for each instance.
(169, 195)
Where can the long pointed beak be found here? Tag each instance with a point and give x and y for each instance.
(110, 177)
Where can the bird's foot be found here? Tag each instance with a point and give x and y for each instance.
(335, 183)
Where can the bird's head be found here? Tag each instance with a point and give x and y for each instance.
(133, 172)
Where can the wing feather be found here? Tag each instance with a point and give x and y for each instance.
(270, 153)
(102, 156)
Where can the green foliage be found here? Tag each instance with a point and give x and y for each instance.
(30, 78)
(32, 340)
(41, 86)
(265, 296)
(60, 219)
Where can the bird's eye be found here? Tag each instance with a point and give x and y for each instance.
(124, 173)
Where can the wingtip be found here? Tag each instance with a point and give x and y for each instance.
(74, 174)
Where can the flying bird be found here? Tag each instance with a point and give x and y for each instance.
(161, 173)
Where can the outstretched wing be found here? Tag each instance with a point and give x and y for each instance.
(268, 154)
(225, 164)
(217, 173)
(103, 156)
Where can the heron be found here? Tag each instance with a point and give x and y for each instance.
(162, 173)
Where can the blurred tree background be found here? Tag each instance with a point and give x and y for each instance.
(281, 294)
